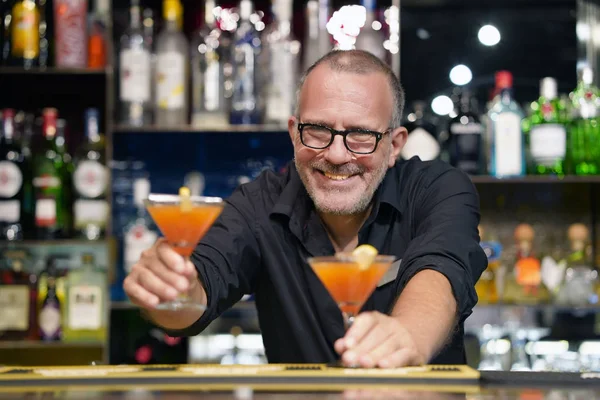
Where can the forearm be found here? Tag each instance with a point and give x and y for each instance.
(427, 309)
(180, 319)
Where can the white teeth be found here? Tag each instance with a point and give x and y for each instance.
(336, 177)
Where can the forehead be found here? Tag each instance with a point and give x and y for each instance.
(347, 96)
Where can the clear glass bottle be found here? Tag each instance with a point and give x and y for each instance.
(208, 99)
(311, 52)
(172, 60)
(465, 136)
(135, 72)
(506, 116)
(371, 37)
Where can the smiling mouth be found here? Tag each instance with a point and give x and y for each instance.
(336, 177)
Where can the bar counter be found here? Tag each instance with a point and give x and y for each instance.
(298, 381)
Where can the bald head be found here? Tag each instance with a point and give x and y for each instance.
(362, 63)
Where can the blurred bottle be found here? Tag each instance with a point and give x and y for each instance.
(50, 315)
(70, 22)
(24, 39)
(98, 34)
(371, 37)
(422, 138)
(46, 32)
(465, 136)
(311, 37)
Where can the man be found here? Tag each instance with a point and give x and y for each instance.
(345, 188)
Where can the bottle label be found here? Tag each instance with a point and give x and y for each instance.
(45, 212)
(14, 307)
(170, 80)
(528, 272)
(508, 150)
(135, 75)
(90, 212)
(71, 33)
(548, 143)
(85, 307)
(50, 320)
(25, 33)
(421, 143)
(90, 179)
(137, 239)
(212, 79)
(10, 211)
(492, 250)
(11, 179)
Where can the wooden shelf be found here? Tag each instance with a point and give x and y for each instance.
(125, 305)
(538, 307)
(188, 129)
(54, 71)
(38, 344)
(483, 179)
(56, 242)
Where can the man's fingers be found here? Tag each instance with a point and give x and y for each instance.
(138, 295)
(381, 349)
(170, 258)
(155, 285)
(171, 278)
(362, 352)
(362, 324)
(400, 358)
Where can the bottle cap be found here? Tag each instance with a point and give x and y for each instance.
(504, 80)
(548, 88)
(524, 232)
(141, 191)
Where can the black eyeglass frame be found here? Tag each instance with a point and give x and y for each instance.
(343, 134)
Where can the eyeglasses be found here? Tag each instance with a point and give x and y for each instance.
(358, 141)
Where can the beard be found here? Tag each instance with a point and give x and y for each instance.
(336, 201)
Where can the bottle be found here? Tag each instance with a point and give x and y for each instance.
(70, 21)
(246, 50)
(487, 285)
(48, 182)
(583, 146)
(465, 137)
(46, 32)
(505, 115)
(208, 99)
(282, 52)
(135, 72)
(97, 37)
(86, 308)
(17, 297)
(25, 35)
(13, 175)
(50, 316)
(370, 37)
(547, 132)
(422, 138)
(311, 52)
(172, 59)
(90, 182)
(139, 234)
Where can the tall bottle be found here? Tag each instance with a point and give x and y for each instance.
(172, 60)
(13, 176)
(208, 99)
(584, 135)
(465, 137)
(70, 21)
(246, 50)
(135, 72)
(370, 37)
(50, 315)
(422, 138)
(505, 115)
(48, 182)
(90, 182)
(311, 52)
(25, 35)
(282, 52)
(547, 132)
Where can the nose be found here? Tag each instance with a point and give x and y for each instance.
(337, 153)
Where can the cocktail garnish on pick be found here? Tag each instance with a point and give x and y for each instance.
(364, 255)
(185, 203)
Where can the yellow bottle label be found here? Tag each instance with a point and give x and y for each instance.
(25, 30)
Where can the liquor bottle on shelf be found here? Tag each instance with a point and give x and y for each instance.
(86, 305)
(506, 115)
(90, 182)
(524, 284)
(583, 146)
(139, 233)
(46, 30)
(13, 180)
(172, 55)
(282, 51)
(311, 37)
(135, 74)
(208, 99)
(18, 293)
(24, 34)
(70, 19)
(97, 37)
(422, 138)
(371, 37)
(50, 206)
(245, 101)
(487, 285)
(547, 131)
(50, 312)
(465, 137)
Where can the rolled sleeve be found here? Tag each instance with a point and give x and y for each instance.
(227, 260)
(446, 239)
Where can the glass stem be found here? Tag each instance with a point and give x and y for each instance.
(348, 320)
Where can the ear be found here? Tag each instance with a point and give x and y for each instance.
(292, 123)
(398, 136)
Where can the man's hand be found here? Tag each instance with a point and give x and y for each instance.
(378, 340)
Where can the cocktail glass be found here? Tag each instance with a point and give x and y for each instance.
(183, 221)
(349, 283)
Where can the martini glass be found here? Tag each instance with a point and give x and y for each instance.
(349, 283)
(183, 221)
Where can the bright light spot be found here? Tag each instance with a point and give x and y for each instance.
(583, 31)
(442, 105)
(423, 34)
(259, 26)
(489, 35)
(461, 75)
(376, 25)
(344, 25)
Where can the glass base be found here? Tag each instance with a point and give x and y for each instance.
(180, 304)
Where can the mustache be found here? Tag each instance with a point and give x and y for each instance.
(344, 169)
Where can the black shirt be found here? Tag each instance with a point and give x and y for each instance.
(424, 213)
